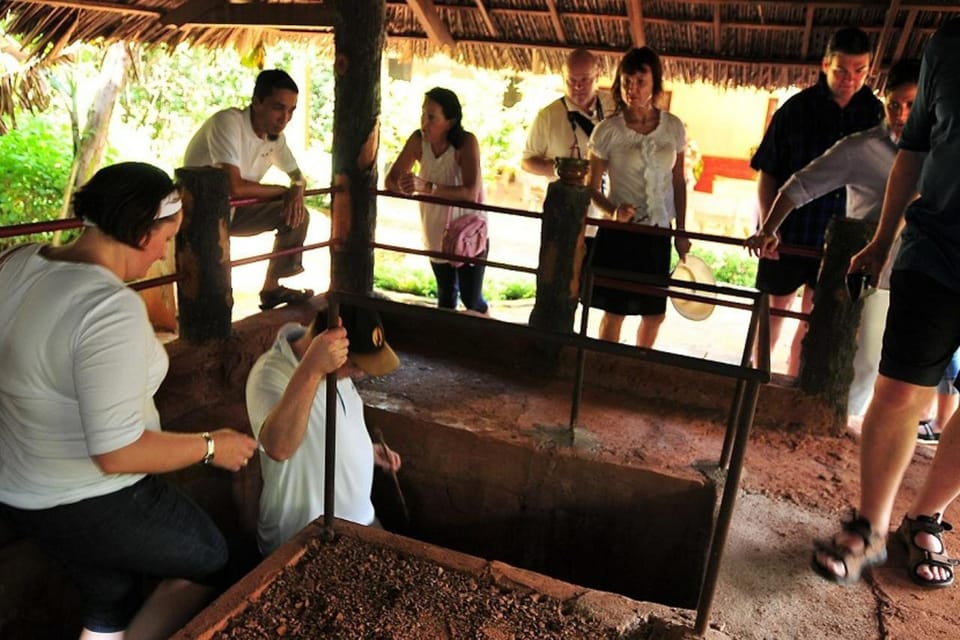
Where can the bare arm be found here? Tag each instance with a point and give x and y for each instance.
(286, 425)
(403, 165)
(242, 188)
(765, 241)
(161, 452)
(901, 190)
(539, 165)
(680, 205)
(766, 191)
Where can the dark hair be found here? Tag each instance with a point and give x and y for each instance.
(849, 40)
(270, 80)
(901, 73)
(122, 200)
(633, 61)
(450, 105)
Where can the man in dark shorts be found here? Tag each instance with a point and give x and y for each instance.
(805, 126)
(921, 334)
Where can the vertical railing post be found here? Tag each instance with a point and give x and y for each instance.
(204, 291)
(561, 257)
(831, 341)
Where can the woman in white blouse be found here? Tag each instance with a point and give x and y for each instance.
(641, 149)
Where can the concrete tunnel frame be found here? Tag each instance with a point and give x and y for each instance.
(740, 419)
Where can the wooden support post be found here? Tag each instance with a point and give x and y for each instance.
(358, 44)
(561, 256)
(204, 292)
(831, 341)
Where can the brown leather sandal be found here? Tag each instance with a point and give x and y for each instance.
(855, 563)
(918, 556)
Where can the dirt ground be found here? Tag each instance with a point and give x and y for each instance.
(795, 487)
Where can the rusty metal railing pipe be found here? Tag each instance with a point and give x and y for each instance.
(330, 436)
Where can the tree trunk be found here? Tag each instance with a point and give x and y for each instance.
(90, 145)
(356, 140)
(831, 342)
(561, 255)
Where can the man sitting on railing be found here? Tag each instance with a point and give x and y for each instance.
(246, 143)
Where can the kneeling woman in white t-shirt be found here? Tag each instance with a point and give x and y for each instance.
(80, 436)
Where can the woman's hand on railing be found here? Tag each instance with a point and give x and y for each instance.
(412, 184)
(763, 244)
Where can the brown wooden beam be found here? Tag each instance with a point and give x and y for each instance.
(716, 29)
(888, 24)
(807, 31)
(904, 36)
(555, 21)
(190, 11)
(638, 34)
(108, 7)
(272, 15)
(494, 32)
(429, 18)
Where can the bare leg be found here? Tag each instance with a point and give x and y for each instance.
(886, 448)
(169, 607)
(942, 486)
(610, 325)
(946, 406)
(648, 330)
(806, 306)
(776, 322)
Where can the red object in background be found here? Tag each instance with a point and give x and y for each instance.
(727, 167)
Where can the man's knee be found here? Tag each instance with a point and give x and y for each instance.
(898, 394)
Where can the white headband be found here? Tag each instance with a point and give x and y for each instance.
(169, 205)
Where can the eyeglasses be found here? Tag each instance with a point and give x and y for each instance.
(577, 81)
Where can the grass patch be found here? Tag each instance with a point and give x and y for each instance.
(393, 272)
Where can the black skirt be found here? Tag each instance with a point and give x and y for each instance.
(636, 253)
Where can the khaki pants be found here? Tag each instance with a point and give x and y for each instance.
(254, 219)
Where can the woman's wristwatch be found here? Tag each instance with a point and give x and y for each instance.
(211, 450)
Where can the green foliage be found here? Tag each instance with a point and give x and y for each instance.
(394, 272)
(519, 286)
(731, 267)
(501, 131)
(35, 161)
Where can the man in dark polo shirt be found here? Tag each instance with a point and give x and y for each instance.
(805, 126)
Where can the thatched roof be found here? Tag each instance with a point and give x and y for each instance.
(767, 44)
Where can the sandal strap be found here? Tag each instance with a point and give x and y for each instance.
(860, 526)
(928, 524)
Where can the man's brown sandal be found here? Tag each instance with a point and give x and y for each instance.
(283, 295)
(918, 556)
(855, 563)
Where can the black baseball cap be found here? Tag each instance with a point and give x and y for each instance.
(368, 346)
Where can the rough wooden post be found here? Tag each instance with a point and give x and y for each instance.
(204, 292)
(561, 255)
(358, 44)
(831, 341)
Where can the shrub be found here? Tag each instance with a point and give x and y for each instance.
(392, 272)
(729, 267)
(35, 161)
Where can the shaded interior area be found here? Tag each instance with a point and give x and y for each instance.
(491, 466)
(633, 531)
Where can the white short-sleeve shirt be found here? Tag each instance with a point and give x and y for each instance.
(227, 137)
(292, 494)
(81, 365)
(640, 165)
